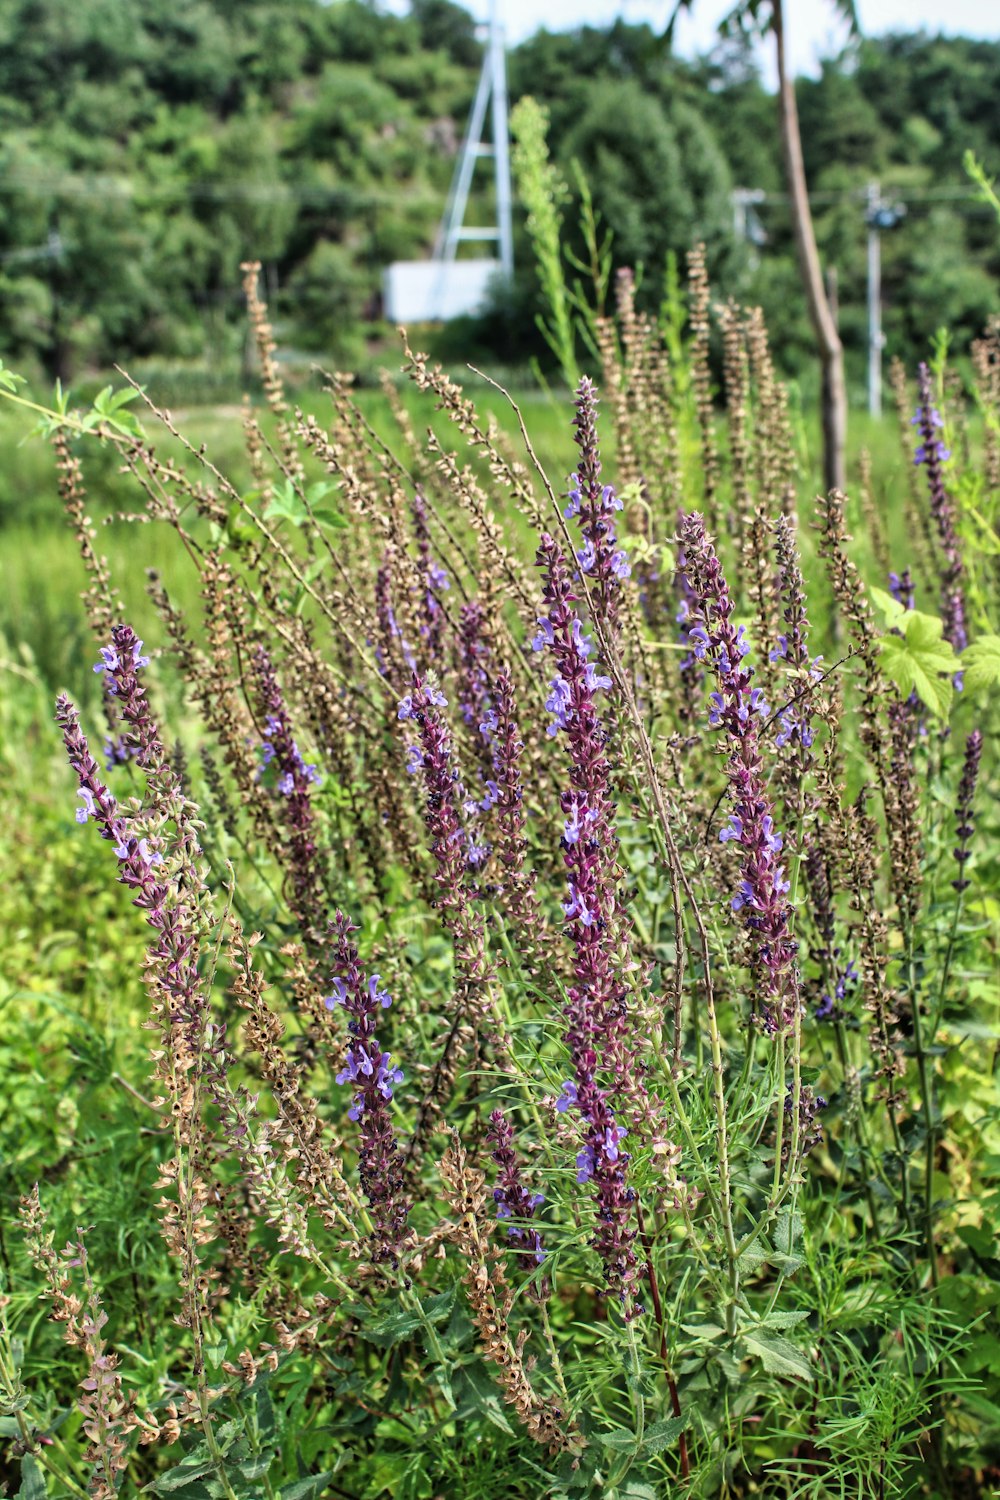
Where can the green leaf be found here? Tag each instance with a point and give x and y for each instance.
(9, 380)
(704, 1331)
(919, 660)
(306, 1489)
(32, 1479)
(620, 1440)
(199, 1464)
(890, 609)
(778, 1355)
(484, 1397)
(981, 663)
(663, 1434)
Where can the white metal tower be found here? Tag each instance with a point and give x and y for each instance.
(446, 286)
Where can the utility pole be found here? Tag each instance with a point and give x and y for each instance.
(878, 216)
(876, 338)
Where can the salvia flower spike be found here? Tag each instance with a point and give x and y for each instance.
(739, 710)
(372, 1076)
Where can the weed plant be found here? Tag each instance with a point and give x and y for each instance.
(568, 940)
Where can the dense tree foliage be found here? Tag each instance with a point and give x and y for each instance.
(145, 151)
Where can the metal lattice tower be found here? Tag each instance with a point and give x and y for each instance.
(492, 89)
(448, 286)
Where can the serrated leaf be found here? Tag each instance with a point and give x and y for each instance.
(919, 660)
(890, 608)
(184, 1473)
(787, 1231)
(620, 1440)
(778, 1355)
(327, 517)
(663, 1434)
(32, 1479)
(485, 1395)
(305, 1489)
(981, 663)
(706, 1331)
(783, 1319)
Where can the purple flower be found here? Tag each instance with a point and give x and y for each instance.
(371, 1071)
(293, 781)
(964, 819)
(594, 504)
(736, 707)
(512, 1198)
(568, 1098)
(543, 636)
(576, 908)
(932, 454)
(599, 1036)
(112, 662)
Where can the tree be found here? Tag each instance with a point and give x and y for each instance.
(768, 16)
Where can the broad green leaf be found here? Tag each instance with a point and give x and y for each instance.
(778, 1355)
(890, 608)
(286, 505)
(663, 1434)
(195, 1467)
(919, 660)
(981, 663)
(32, 1479)
(620, 1440)
(484, 1395)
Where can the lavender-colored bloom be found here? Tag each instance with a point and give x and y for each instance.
(435, 581)
(964, 818)
(504, 791)
(111, 661)
(370, 1072)
(829, 1008)
(932, 454)
(737, 708)
(902, 589)
(293, 781)
(391, 636)
(795, 731)
(598, 1033)
(594, 504)
(170, 904)
(568, 1098)
(512, 1198)
(473, 663)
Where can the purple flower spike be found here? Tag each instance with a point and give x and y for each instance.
(599, 1027)
(594, 503)
(964, 820)
(737, 708)
(512, 1198)
(370, 1070)
(932, 454)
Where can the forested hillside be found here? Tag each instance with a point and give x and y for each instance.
(146, 150)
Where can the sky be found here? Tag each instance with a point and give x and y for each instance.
(811, 25)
